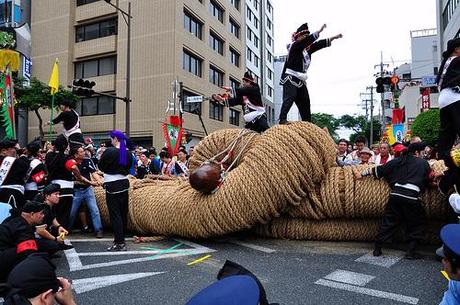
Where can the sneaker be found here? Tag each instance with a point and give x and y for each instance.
(117, 247)
(100, 234)
(65, 247)
(377, 251)
(283, 122)
(86, 230)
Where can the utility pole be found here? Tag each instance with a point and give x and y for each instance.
(382, 98)
(371, 136)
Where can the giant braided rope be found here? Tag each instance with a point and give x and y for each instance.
(285, 184)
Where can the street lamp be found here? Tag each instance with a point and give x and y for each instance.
(127, 18)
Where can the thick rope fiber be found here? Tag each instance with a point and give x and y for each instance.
(288, 168)
(335, 230)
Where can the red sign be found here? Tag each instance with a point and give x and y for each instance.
(426, 99)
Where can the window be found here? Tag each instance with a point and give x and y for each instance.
(192, 25)
(194, 108)
(216, 43)
(269, 40)
(256, 4)
(234, 117)
(269, 24)
(234, 83)
(256, 41)
(236, 4)
(216, 111)
(435, 70)
(270, 74)
(216, 77)
(256, 78)
(256, 22)
(96, 67)
(234, 57)
(234, 28)
(270, 91)
(83, 2)
(96, 30)
(249, 14)
(96, 105)
(269, 7)
(269, 57)
(191, 63)
(216, 11)
(256, 60)
(249, 33)
(249, 54)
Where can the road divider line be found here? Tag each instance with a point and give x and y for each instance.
(252, 246)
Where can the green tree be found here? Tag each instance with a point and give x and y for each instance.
(326, 120)
(37, 96)
(426, 126)
(361, 127)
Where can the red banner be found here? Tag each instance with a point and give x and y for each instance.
(426, 99)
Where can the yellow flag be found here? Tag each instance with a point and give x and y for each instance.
(54, 79)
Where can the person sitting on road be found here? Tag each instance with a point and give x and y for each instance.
(450, 253)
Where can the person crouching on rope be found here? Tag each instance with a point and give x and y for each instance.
(408, 176)
(248, 96)
(116, 162)
(294, 75)
(448, 80)
(71, 123)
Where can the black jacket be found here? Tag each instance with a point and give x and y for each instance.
(295, 59)
(252, 93)
(18, 171)
(17, 233)
(109, 162)
(452, 76)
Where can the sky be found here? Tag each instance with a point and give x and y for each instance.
(339, 74)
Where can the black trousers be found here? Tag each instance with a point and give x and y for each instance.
(450, 129)
(398, 211)
(301, 98)
(76, 140)
(118, 210)
(258, 125)
(62, 210)
(13, 197)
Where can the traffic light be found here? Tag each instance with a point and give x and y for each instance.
(379, 82)
(83, 87)
(394, 80)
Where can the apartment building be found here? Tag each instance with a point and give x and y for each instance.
(198, 42)
(260, 50)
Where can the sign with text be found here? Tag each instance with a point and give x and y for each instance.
(429, 81)
(194, 99)
(426, 99)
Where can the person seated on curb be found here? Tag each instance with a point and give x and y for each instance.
(450, 253)
(34, 282)
(51, 233)
(17, 237)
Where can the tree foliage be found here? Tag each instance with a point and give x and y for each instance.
(426, 126)
(326, 120)
(37, 96)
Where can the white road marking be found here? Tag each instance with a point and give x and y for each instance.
(252, 246)
(95, 239)
(370, 292)
(349, 277)
(75, 264)
(383, 261)
(93, 283)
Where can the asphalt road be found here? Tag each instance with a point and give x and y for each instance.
(293, 272)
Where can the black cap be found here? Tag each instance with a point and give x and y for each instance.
(303, 27)
(418, 146)
(51, 188)
(32, 277)
(33, 207)
(8, 143)
(452, 44)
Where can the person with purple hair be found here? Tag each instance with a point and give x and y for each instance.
(115, 162)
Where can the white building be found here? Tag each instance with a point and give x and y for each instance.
(417, 75)
(260, 49)
(448, 21)
(293, 114)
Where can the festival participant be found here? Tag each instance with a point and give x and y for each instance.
(294, 76)
(181, 168)
(71, 123)
(248, 96)
(36, 175)
(13, 172)
(116, 162)
(450, 254)
(408, 177)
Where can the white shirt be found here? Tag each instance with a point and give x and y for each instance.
(447, 97)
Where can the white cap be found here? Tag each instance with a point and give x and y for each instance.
(454, 201)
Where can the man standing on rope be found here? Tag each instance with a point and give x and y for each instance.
(408, 177)
(71, 122)
(449, 102)
(294, 76)
(116, 162)
(248, 96)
